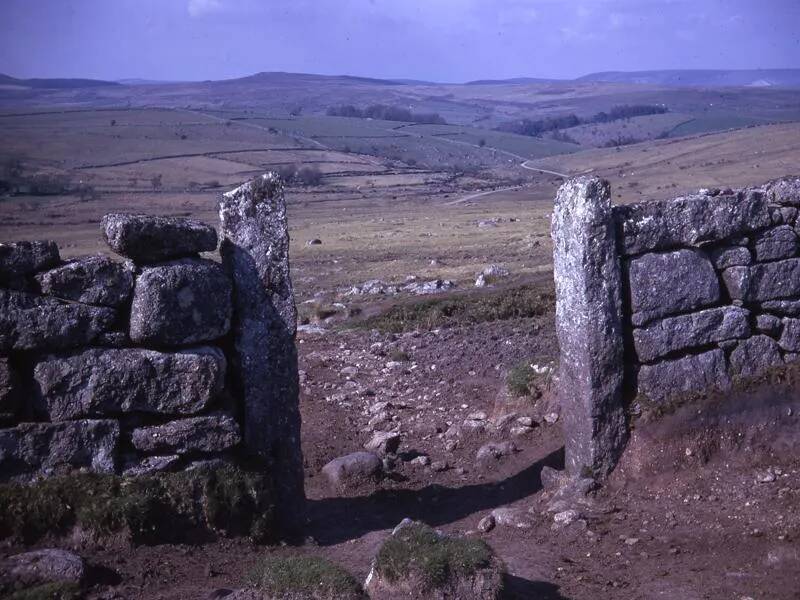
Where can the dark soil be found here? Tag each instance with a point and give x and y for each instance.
(723, 524)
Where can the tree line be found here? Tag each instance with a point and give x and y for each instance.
(385, 113)
(537, 127)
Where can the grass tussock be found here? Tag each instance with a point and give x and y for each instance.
(225, 501)
(460, 310)
(48, 591)
(309, 576)
(529, 379)
(418, 552)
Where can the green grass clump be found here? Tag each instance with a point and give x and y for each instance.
(48, 591)
(163, 507)
(417, 551)
(464, 309)
(291, 576)
(520, 378)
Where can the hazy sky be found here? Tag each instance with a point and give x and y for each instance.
(443, 40)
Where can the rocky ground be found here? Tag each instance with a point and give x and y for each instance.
(727, 528)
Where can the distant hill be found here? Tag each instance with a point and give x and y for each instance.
(54, 84)
(512, 81)
(278, 77)
(702, 78)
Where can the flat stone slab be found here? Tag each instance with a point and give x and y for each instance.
(146, 238)
(754, 356)
(667, 283)
(776, 244)
(788, 308)
(18, 259)
(181, 302)
(210, 433)
(100, 383)
(690, 221)
(763, 282)
(688, 331)
(90, 280)
(53, 448)
(38, 567)
(29, 322)
(686, 375)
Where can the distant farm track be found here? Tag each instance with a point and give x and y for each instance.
(211, 154)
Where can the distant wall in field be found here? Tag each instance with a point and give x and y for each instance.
(161, 361)
(661, 301)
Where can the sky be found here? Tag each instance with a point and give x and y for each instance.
(434, 40)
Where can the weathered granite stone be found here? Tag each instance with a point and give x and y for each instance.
(789, 214)
(113, 339)
(666, 283)
(754, 356)
(210, 433)
(151, 464)
(181, 302)
(29, 322)
(769, 324)
(788, 308)
(18, 259)
(53, 448)
(784, 191)
(99, 383)
(39, 567)
(790, 339)
(145, 238)
(762, 282)
(588, 285)
(255, 253)
(776, 244)
(8, 390)
(352, 470)
(687, 375)
(690, 221)
(731, 256)
(91, 280)
(689, 331)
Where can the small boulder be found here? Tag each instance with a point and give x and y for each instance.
(495, 451)
(512, 517)
(149, 239)
(39, 567)
(383, 443)
(353, 470)
(419, 563)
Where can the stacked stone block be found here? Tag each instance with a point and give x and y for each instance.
(712, 279)
(115, 366)
(710, 289)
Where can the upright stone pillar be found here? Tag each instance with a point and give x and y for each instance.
(255, 252)
(586, 269)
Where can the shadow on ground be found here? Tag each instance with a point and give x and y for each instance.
(335, 520)
(517, 588)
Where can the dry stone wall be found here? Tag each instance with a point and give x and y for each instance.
(710, 289)
(158, 360)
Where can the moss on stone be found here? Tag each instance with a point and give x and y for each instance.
(304, 576)
(224, 501)
(416, 551)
